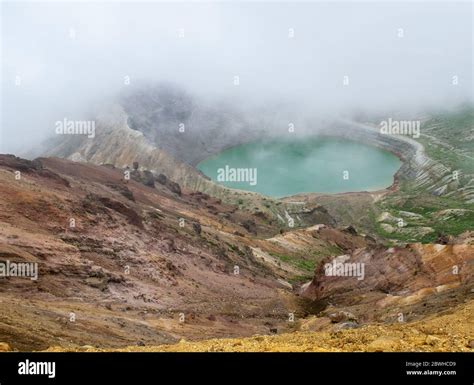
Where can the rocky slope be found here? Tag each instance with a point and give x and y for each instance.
(149, 262)
(399, 282)
(139, 257)
(451, 331)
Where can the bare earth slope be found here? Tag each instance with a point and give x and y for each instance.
(453, 331)
(138, 261)
(144, 263)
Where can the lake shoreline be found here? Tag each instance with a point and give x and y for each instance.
(302, 161)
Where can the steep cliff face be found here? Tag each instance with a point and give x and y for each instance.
(188, 130)
(117, 144)
(423, 173)
(398, 280)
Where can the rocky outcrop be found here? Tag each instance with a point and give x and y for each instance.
(391, 278)
(91, 202)
(172, 186)
(28, 167)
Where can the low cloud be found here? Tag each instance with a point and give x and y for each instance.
(62, 61)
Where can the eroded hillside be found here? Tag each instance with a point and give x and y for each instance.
(451, 331)
(139, 258)
(148, 262)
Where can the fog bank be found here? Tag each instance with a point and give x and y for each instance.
(66, 60)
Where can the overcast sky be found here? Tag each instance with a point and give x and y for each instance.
(59, 58)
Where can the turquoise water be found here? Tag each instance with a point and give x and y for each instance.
(281, 168)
